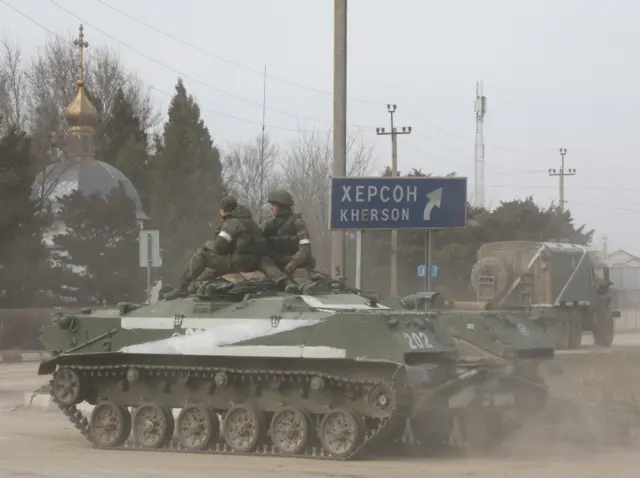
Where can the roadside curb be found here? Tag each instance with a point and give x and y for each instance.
(17, 357)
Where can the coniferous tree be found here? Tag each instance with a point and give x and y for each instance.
(123, 143)
(23, 255)
(96, 256)
(186, 184)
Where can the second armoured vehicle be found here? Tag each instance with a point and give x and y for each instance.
(325, 373)
(482, 334)
(564, 286)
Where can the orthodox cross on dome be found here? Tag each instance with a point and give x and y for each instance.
(81, 115)
(81, 44)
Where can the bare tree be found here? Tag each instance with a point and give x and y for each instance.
(51, 86)
(106, 74)
(247, 166)
(307, 170)
(13, 85)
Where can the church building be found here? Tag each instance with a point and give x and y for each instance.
(79, 170)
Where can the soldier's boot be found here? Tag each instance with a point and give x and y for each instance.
(290, 287)
(182, 291)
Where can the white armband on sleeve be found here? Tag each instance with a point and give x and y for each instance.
(304, 241)
(226, 236)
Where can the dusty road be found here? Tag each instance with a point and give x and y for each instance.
(36, 444)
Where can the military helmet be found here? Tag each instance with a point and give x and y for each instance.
(228, 203)
(281, 197)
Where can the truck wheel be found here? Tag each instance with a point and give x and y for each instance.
(575, 332)
(604, 331)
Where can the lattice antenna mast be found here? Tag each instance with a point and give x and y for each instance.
(480, 109)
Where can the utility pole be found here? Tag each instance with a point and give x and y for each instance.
(394, 172)
(561, 174)
(339, 122)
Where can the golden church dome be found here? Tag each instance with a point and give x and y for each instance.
(81, 111)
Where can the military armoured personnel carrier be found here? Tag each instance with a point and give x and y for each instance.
(482, 334)
(324, 373)
(564, 286)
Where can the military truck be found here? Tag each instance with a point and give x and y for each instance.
(326, 373)
(564, 286)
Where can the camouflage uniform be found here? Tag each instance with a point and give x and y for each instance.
(238, 247)
(288, 241)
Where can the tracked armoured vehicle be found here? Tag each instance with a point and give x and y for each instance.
(485, 335)
(564, 287)
(326, 373)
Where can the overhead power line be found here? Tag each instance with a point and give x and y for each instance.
(255, 103)
(292, 83)
(152, 87)
(226, 60)
(185, 75)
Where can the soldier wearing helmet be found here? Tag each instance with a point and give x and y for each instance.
(239, 246)
(287, 236)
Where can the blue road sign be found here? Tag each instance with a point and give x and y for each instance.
(434, 271)
(398, 203)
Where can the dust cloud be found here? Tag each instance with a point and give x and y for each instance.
(593, 408)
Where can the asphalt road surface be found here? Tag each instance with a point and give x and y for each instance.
(37, 444)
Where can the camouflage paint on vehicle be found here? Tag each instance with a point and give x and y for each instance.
(327, 373)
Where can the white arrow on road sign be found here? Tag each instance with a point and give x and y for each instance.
(434, 199)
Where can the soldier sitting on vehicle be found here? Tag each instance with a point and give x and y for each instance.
(238, 247)
(288, 241)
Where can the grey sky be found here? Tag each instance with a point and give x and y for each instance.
(557, 73)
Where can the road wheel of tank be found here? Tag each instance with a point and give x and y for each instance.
(575, 332)
(197, 427)
(68, 388)
(604, 331)
(109, 424)
(381, 400)
(152, 425)
(341, 432)
(290, 430)
(244, 428)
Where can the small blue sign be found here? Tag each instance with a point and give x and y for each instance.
(434, 271)
(398, 203)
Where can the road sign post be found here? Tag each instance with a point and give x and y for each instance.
(359, 259)
(393, 203)
(427, 260)
(149, 254)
